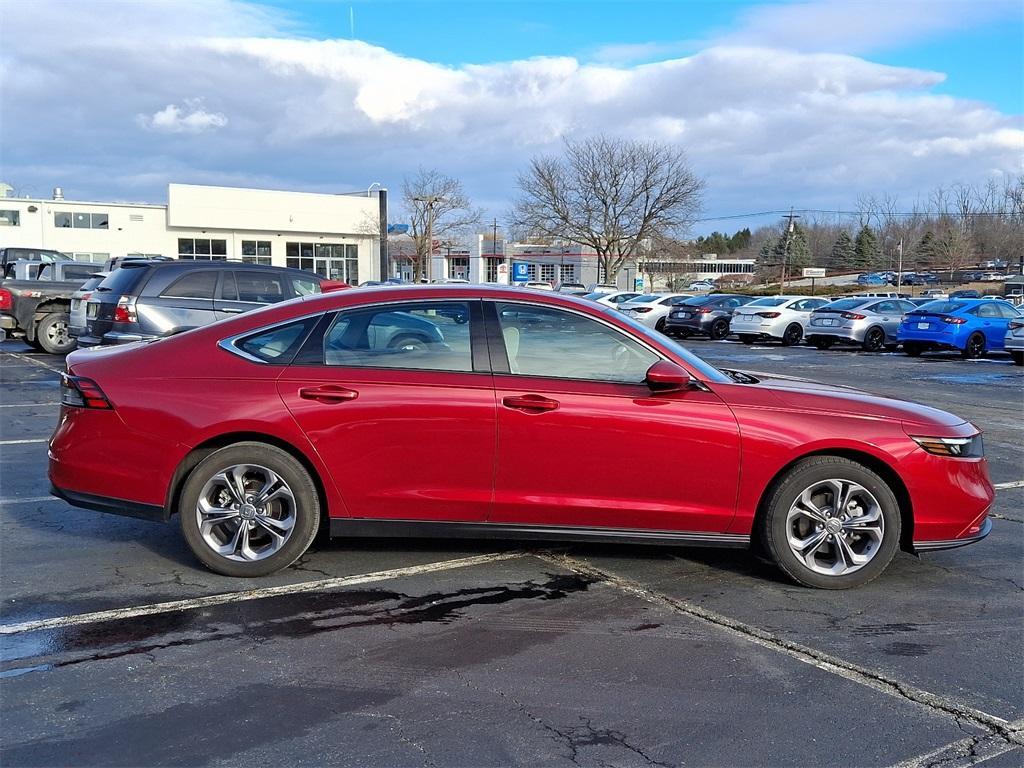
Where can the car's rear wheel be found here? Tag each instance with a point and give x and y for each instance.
(746, 338)
(974, 348)
(874, 340)
(719, 329)
(823, 342)
(1018, 358)
(53, 334)
(913, 350)
(249, 509)
(831, 523)
(660, 325)
(792, 335)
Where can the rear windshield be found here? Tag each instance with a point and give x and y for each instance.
(645, 297)
(92, 282)
(124, 280)
(770, 301)
(697, 301)
(845, 304)
(942, 307)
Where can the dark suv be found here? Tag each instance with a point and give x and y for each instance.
(707, 315)
(147, 299)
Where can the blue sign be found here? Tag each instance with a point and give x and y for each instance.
(520, 271)
(397, 229)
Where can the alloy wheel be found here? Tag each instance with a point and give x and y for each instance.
(835, 527)
(246, 512)
(975, 346)
(58, 333)
(874, 340)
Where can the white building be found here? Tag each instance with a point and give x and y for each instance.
(333, 235)
(703, 266)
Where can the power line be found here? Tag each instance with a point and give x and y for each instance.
(925, 214)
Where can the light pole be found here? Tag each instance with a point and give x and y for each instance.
(430, 201)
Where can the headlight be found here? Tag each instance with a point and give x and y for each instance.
(959, 447)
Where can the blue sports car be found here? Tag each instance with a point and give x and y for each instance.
(971, 326)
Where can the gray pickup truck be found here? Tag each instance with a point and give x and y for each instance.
(35, 299)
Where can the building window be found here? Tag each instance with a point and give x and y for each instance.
(99, 220)
(602, 273)
(256, 252)
(567, 273)
(65, 220)
(202, 248)
(547, 273)
(330, 260)
(94, 258)
(10, 218)
(458, 267)
(492, 270)
(62, 220)
(531, 272)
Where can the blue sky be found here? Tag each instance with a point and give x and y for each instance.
(982, 55)
(811, 104)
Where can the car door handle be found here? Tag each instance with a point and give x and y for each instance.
(529, 403)
(328, 393)
(231, 310)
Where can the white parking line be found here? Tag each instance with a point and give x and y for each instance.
(1005, 486)
(24, 442)
(254, 594)
(31, 405)
(27, 500)
(35, 362)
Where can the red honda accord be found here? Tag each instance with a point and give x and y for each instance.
(497, 412)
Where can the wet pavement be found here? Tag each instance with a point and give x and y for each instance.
(117, 648)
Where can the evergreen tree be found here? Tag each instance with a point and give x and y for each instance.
(843, 252)
(867, 254)
(924, 251)
(793, 247)
(740, 240)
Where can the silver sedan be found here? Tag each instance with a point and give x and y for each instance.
(870, 323)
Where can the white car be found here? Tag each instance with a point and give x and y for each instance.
(700, 285)
(992, 277)
(780, 318)
(76, 320)
(614, 298)
(538, 285)
(602, 288)
(651, 309)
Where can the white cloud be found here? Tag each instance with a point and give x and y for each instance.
(767, 127)
(190, 119)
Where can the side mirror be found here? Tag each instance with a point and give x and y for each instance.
(666, 376)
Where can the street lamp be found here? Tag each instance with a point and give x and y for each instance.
(430, 201)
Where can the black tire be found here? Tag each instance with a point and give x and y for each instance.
(53, 334)
(805, 474)
(290, 470)
(660, 325)
(912, 350)
(874, 340)
(792, 335)
(974, 348)
(822, 342)
(1018, 358)
(408, 341)
(746, 338)
(719, 329)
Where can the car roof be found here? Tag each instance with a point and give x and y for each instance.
(133, 263)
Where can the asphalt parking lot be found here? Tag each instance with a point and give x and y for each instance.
(433, 653)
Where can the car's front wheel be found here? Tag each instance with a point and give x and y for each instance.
(831, 523)
(249, 509)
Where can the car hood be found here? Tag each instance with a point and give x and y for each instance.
(804, 394)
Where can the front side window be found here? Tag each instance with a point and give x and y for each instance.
(432, 336)
(553, 343)
(194, 285)
(259, 287)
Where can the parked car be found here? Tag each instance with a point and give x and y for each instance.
(36, 300)
(76, 315)
(938, 293)
(961, 294)
(574, 289)
(870, 323)
(701, 285)
(973, 327)
(870, 280)
(971, 277)
(704, 315)
(912, 279)
(225, 419)
(602, 288)
(992, 277)
(879, 295)
(1013, 342)
(612, 299)
(149, 299)
(651, 309)
(11, 254)
(777, 318)
(116, 261)
(538, 285)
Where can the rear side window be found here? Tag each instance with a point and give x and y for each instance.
(260, 287)
(194, 285)
(1007, 311)
(278, 345)
(124, 280)
(987, 310)
(305, 286)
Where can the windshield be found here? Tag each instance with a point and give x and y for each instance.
(845, 304)
(705, 369)
(769, 301)
(595, 295)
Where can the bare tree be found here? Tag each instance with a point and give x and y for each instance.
(610, 195)
(438, 209)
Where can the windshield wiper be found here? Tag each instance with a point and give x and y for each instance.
(740, 377)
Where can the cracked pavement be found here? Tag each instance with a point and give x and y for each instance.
(582, 655)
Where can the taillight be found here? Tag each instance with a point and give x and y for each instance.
(852, 316)
(1016, 325)
(80, 392)
(954, 320)
(644, 309)
(124, 312)
(5, 299)
(768, 314)
(705, 310)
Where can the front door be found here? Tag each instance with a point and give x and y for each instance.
(583, 441)
(398, 402)
(243, 290)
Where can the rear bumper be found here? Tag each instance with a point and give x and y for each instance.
(693, 326)
(934, 546)
(113, 506)
(113, 337)
(855, 335)
(8, 322)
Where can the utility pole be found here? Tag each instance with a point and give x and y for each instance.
(899, 267)
(431, 201)
(785, 251)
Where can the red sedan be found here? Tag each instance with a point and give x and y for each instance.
(496, 412)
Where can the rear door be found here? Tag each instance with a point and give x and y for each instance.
(246, 289)
(398, 401)
(173, 301)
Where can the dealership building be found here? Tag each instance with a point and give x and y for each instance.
(335, 235)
